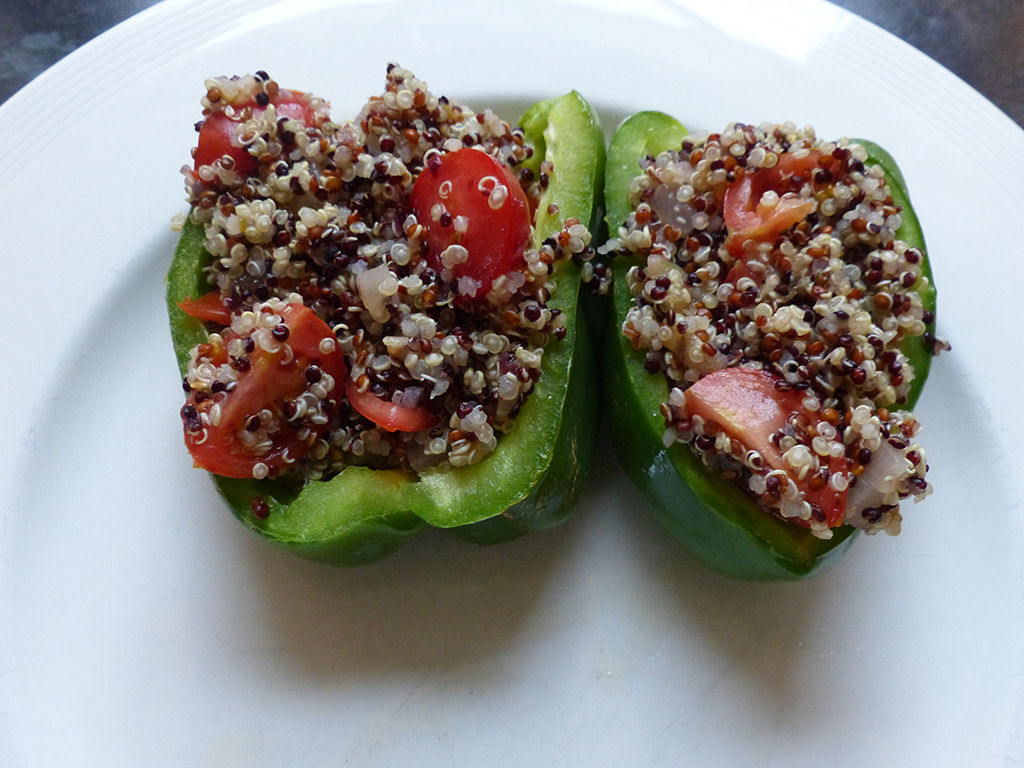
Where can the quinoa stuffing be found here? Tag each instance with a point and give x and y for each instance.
(770, 275)
(342, 255)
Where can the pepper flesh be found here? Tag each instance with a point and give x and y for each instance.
(717, 521)
(535, 474)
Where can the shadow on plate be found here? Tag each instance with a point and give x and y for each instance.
(438, 603)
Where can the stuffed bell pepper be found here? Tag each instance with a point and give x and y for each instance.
(773, 327)
(376, 319)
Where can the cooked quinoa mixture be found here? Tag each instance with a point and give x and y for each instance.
(319, 213)
(824, 305)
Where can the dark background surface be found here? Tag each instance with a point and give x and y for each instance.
(982, 41)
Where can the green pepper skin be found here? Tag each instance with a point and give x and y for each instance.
(716, 521)
(535, 474)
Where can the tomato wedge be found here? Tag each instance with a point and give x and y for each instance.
(261, 401)
(387, 414)
(468, 198)
(749, 217)
(209, 308)
(217, 134)
(747, 406)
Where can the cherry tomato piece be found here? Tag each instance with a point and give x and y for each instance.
(740, 270)
(468, 198)
(215, 142)
(747, 406)
(209, 308)
(216, 135)
(747, 217)
(266, 382)
(386, 414)
(293, 105)
(831, 502)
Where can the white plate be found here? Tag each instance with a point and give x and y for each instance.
(140, 625)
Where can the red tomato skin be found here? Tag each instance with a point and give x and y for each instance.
(215, 141)
(747, 406)
(268, 380)
(386, 414)
(209, 308)
(745, 219)
(218, 130)
(495, 238)
(294, 106)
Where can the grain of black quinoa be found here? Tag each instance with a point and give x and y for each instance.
(830, 307)
(325, 219)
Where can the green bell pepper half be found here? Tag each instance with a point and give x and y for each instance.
(535, 474)
(716, 521)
